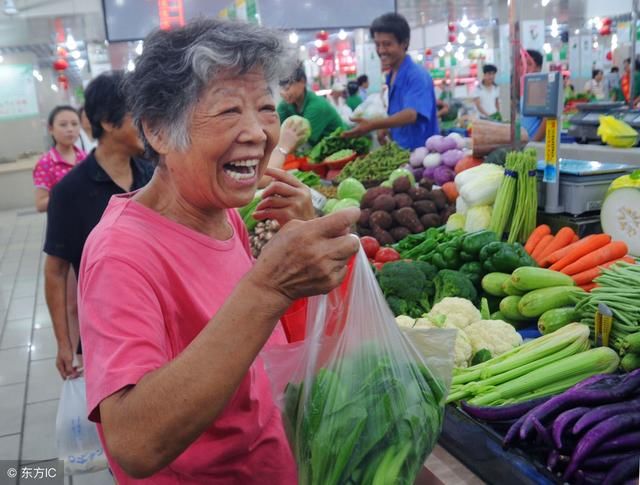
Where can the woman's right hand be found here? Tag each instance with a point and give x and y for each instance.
(308, 258)
(291, 133)
(64, 362)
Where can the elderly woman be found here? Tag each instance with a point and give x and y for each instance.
(174, 310)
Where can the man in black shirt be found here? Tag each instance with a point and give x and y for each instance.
(79, 199)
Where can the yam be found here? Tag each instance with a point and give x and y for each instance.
(384, 203)
(418, 193)
(382, 236)
(399, 233)
(431, 220)
(380, 219)
(403, 200)
(401, 185)
(364, 217)
(408, 218)
(423, 207)
(439, 198)
(372, 194)
(426, 183)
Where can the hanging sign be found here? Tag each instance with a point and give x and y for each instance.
(18, 98)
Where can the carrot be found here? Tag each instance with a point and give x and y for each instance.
(580, 249)
(589, 286)
(450, 191)
(535, 237)
(589, 275)
(613, 250)
(576, 238)
(563, 238)
(556, 256)
(540, 247)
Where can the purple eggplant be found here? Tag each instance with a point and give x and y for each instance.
(513, 431)
(624, 470)
(606, 462)
(588, 478)
(501, 413)
(552, 459)
(543, 433)
(594, 437)
(565, 419)
(605, 411)
(602, 391)
(627, 441)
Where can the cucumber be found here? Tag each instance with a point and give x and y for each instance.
(528, 278)
(630, 362)
(536, 302)
(631, 343)
(492, 283)
(556, 318)
(510, 289)
(509, 308)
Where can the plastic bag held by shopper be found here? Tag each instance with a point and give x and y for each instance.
(359, 402)
(77, 437)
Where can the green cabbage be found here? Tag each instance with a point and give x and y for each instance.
(478, 218)
(305, 124)
(351, 189)
(328, 207)
(345, 204)
(455, 222)
(402, 172)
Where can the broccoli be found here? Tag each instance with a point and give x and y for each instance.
(430, 271)
(454, 283)
(405, 287)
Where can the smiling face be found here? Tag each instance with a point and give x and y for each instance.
(489, 78)
(293, 93)
(65, 128)
(233, 129)
(390, 51)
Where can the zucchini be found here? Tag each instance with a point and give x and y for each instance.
(556, 318)
(492, 283)
(536, 302)
(509, 308)
(510, 289)
(528, 279)
(631, 343)
(515, 324)
(628, 363)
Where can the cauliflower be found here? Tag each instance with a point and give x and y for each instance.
(462, 346)
(458, 312)
(496, 336)
(405, 321)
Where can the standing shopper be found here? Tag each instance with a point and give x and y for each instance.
(412, 102)
(596, 85)
(64, 128)
(487, 94)
(535, 125)
(363, 86)
(78, 201)
(174, 311)
(86, 140)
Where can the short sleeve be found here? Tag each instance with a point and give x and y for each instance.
(420, 95)
(476, 92)
(122, 327)
(61, 225)
(43, 177)
(283, 111)
(241, 230)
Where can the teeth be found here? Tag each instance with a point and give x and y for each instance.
(245, 163)
(242, 176)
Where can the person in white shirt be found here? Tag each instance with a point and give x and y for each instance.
(86, 141)
(596, 86)
(338, 100)
(486, 96)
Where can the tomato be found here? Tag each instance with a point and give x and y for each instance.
(378, 265)
(370, 245)
(386, 255)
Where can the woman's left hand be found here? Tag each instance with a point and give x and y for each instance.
(284, 199)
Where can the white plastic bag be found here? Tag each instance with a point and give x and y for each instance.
(372, 108)
(76, 437)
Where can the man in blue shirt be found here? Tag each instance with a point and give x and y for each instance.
(412, 102)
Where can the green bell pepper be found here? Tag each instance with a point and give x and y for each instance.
(504, 257)
(474, 242)
(474, 271)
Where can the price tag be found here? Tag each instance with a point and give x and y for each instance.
(317, 199)
(551, 151)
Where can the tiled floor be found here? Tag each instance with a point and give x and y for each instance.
(29, 382)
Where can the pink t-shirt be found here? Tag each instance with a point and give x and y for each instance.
(148, 286)
(52, 167)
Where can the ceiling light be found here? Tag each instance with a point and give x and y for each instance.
(596, 45)
(544, 3)
(485, 46)
(555, 30)
(293, 38)
(477, 41)
(139, 48)
(320, 61)
(318, 43)
(420, 57)
(464, 23)
(1, 58)
(597, 23)
(71, 42)
(462, 38)
(459, 55)
(10, 7)
(54, 87)
(614, 42)
(81, 63)
(76, 54)
(37, 75)
(577, 32)
(440, 53)
(461, 49)
(131, 66)
(448, 47)
(546, 48)
(303, 48)
(474, 29)
(342, 35)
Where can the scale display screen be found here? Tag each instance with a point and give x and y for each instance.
(542, 94)
(592, 117)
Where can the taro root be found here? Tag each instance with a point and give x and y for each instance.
(439, 198)
(401, 185)
(380, 219)
(408, 218)
(382, 236)
(431, 220)
(372, 194)
(384, 203)
(364, 218)
(418, 193)
(399, 233)
(423, 207)
(403, 200)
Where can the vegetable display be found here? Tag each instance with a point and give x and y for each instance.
(335, 142)
(369, 420)
(408, 286)
(297, 119)
(390, 214)
(376, 166)
(589, 432)
(261, 235)
(543, 367)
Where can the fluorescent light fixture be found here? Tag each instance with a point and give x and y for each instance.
(459, 55)
(302, 48)
(555, 30)
(131, 66)
(71, 43)
(342, 35)
(76, 54)
(614, 42)
(596, 45)
(139, 48)
(448, 47)
(474, 29)
(293, 38)
(544, 3)
(81, 63)
(478, 41)
(54, 87)
(576, 32)
(1, 58)
(462, 38)
(485, 46)
(464, 23)
(37, 75)
(597, 23)
(441, 53)
(546, 48)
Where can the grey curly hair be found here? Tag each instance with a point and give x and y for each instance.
(177, 66)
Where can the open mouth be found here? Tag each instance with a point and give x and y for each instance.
(241, 169)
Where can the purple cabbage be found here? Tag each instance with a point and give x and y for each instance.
(452, 157)
(443, 174)
(433, 143)
(418, 156)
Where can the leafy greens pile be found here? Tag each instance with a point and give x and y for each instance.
(368, 419)
(334, 143)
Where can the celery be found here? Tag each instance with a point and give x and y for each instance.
(552, 378)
